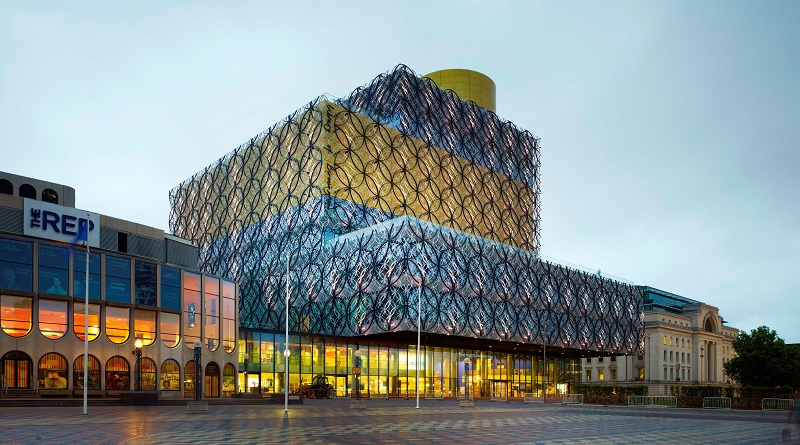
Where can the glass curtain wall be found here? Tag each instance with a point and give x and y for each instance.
(390, 370)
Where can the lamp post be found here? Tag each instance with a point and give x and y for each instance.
(137, 351)
(419, 330)
(286, 354)
(198, 393)
(700, 367)
(467, 361)
(357, 373)
(246, 366)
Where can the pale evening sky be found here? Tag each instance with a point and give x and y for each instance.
(669, 130)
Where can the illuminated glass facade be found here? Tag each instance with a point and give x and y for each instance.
(355, 209)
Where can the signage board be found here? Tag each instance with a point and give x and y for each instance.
(58, 223)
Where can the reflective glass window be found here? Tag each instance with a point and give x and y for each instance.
(228, 316)
(170, 329)
(148, 370)
(52, 371)
(170, 375)
(192, 310)
(170, 288)
(211, 310)
(16, 264)
(118, 374)
(145, 279)
(94, 373)
(118, 327)
(118, 279)
(15, 315)
(53, 269)
(79, 321)
(53, 318)
(79, 274)
(144, 326)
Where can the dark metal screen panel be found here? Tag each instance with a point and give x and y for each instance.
(11, 220)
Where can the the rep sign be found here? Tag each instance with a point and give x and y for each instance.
(58, 223)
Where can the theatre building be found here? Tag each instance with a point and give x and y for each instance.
(143, 285)
(405, 213)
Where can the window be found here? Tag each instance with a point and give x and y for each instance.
(601, 375)
(665, 355)
(665, 373)
(170, 375)
(600, 360)
(211, 305)
(27, 191)
(16, 263)
(53, 269)
(613, 374)
(670, 341)
(53, 371)
(148, 370)
(118, 327)
(79, 275)
(671, 374)
(144, 326)
(613, 359)
(170, 329)
(118, 374)
(79, 321)
(641, 373)
(588, 360)
(6, 187)
(94, 373)
(689, 357)
(192, 311)
(170, 288)
(588, 375)
(229, 316)
(228, 380)
(118, 279)
(16, 315)
(53, 318)
(670, 356)
(683, 357)
(665, 339)
(50, 195)
(188, 379)
(683, 343)
(145, 283)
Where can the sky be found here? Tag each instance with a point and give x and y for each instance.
(669, 130)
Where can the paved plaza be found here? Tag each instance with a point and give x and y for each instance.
(436, 422)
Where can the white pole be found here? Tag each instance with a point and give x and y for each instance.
(286, 351)
(419, 318)
(86, 329)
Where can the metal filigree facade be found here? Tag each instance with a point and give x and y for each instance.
(399, 191)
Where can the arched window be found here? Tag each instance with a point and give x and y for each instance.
(15, 317)
(94, 373)
(53, 318)
(228, 380)
(170, 329)
(144, 326)
(211, 388)
(53, 371)
(50, 195)
(118, 374)
(188, 379)
(170, 375)
(118, 326)
(27, 191)
(79, 324)
(6, 187)
(148, 371)
(709, 327)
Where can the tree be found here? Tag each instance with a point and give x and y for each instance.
(763, 359)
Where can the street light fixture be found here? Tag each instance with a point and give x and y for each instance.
(357, 372)
(137, 351)
(467, 362)
(198, 348)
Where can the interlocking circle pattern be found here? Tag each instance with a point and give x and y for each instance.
(401, 191)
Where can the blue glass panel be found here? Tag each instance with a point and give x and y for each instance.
(53, 280)
(79, 262)
(16, 276)
(118, 267)
(170, 276)
(145, 283)
(53, 256)
(170, 297)
(16, 251)
(79, 285)
(118, 289)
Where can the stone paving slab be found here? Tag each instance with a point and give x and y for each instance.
(436, 422)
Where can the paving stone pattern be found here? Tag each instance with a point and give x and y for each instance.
(391, 422)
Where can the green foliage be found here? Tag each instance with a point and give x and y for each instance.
(764, 360)
(767, 393)
(637, 390)
(702, 391)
